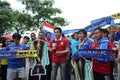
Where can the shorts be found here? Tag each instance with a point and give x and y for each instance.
(12, 73)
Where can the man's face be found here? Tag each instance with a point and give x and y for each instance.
(76, 36)
(97, 34)
(81, 35)
(48, 36)
(33, 36)
(40, 36)
(57, 33)
(16, 40)
(7, 42)
(25, 41)
(119, 29)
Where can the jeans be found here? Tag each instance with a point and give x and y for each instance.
(55, 69)
(100, 76)
(48, 72)
(68, 70)
(4, 72)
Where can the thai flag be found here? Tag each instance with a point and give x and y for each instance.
(48, 28)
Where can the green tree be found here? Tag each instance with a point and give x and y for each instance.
(22, 21)
(44, 12)
(5, 17)
(14, 21)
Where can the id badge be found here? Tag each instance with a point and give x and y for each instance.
(54, 44)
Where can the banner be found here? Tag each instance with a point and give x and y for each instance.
(18, 54)
(98, 23)
(88, 70)
(70, 31)
(76, 70)
(91, 28)
(103, 21)
(101, 54)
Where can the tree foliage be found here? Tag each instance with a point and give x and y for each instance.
(22, 21)
(5, 17)
(44, 11)
(15, 21)
(11, 20)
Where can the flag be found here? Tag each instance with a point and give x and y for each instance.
(48, 28)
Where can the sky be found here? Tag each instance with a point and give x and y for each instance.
(80, 12)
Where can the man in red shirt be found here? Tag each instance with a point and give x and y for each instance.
(101, 69)
(59, 50)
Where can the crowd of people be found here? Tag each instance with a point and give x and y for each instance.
(60, 54)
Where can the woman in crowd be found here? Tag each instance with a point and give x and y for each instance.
(4, 62)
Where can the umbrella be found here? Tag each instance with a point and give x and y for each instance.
(8, 36)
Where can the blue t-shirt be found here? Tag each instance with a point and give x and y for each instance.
(73, 45)
(87, 44)
(24, 46)
(15, 62)
(117, 36)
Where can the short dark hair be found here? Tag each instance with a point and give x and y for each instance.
(58, 28)
(75, 33)
(83, 31)
(26, 37)
(72, 36)
(32, 34)
(41, 32)
(16, 35)
(98, 29)
(63, 35)
(3, 41)
(105, 31)
(47, 33)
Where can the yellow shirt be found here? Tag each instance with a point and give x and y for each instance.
(4, 62)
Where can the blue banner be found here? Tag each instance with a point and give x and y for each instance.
(70, 31)
(91, 28)
(104, 21)
(98, 23)
(101, 54)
